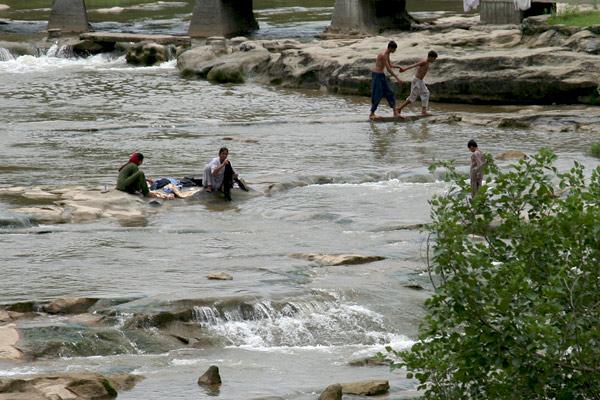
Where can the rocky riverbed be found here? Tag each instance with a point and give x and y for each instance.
(531, 63)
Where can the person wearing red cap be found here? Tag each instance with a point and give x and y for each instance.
(131, 179)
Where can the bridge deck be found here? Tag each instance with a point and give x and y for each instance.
(135, 37)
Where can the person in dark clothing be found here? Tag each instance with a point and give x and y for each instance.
(131, 179)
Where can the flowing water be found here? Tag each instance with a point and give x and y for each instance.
(343, 185)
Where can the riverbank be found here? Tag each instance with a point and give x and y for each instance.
(531, 63)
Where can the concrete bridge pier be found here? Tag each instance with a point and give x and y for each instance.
(222, 18)
(70, 16)
(369, 16)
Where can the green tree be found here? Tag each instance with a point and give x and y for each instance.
(516, 309)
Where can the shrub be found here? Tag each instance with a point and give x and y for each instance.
(595, 149)
(515, 312)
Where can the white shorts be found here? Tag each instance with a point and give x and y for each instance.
(418, 88)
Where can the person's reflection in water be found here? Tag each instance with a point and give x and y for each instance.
(382, 138)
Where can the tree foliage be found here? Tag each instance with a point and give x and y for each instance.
(516, 312)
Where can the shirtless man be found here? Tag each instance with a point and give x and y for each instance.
(417, 86)
(380, 85)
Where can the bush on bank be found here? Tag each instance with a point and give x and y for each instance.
(515, 312)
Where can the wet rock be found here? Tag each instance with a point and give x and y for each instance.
(43, 214)
(9, 336)
(70, 305)
(370, 361)
(211, 377)
(341, 259)
(482, 65)
(218, 66)
(223, 276)
(366, 388)
(85, 48)
(513, 123)
(22, 307)
(240, 139)
(148, 53)
(512, 155)
(72, 386)
(9, 316)
(332, 392)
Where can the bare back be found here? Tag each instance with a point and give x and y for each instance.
(383, 61)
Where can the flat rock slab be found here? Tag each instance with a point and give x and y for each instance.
(135, 37)
(404, 118)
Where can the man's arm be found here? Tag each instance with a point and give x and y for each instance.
(415, 65)
(388, 66)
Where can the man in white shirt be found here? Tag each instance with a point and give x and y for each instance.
(219, 174)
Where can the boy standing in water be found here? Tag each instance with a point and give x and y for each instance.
(478, 163)
(417, 86)
(380, 85)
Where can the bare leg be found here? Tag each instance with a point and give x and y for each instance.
(397, 112)
(407, 102)
(424, 111)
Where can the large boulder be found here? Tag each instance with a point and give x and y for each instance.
(215, 64)
(148, 53)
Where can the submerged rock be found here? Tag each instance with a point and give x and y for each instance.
(340, 259)
(223, 276)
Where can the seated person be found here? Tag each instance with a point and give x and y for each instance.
(219, 174)
(131, 179)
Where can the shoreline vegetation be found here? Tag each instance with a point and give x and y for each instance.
(574, 16)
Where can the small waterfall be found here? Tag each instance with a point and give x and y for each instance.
(292, 323)
(57, 51)
(5, 55)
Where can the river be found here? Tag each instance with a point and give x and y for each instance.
(344, 185)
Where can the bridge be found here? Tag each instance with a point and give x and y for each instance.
(231, 17)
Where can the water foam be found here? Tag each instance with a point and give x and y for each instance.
(300, 324)
(55, 60)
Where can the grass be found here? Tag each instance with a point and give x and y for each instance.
(572, 16)
(595, 150)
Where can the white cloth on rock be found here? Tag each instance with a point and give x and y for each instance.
(469, 5)
(522, 4)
